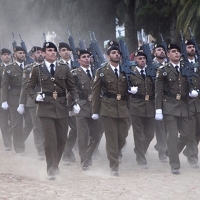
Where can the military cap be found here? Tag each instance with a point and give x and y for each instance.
(82, 51)
(189, 42)
(64, 45)
(113, 47)
(140, 48)
(173, 46)
(139, 53)
(49, 45)
(35, 48)
(4, 50)
(18, 48)
(112, 42)
(159, 46)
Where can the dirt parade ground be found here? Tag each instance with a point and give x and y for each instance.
(24, 178)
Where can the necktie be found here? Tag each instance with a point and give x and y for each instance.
(116, 72)
(142, 74)
(177, 69)
(21, 67)
(88, 73)
(52, 70)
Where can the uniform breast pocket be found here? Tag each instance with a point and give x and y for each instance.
(172, 81)
(44, 78)
(136, 82)
(110, 83)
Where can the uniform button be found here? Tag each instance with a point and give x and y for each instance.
(179, 79)
(54, 84)
(179, 85)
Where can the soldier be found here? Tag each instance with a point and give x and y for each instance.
(160, 129)
(29, 104)
(191, 150)
(11, 86)
(171, 102)
(88, 129)
(141, 107)
(112, 106)
(4, 114)
(68, 155)
(53, 79)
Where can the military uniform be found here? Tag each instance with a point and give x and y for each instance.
(52, 111)
(141, 107)
(30, 107)
(4, 120)
(88, 130)
(113, 107)
(171, 97)
(11, 87)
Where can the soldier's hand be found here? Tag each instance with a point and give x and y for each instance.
(95, 116)
(159, 115)
(193, 94)
(4, 105)
(76, 109)
(133, 90)
(40, 97)
(21, 109)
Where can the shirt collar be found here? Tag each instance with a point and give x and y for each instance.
(191, 60)
(48, 63)
(174, 65)
(84, 69)
(141, 69)
(113, 68)
(20, 64)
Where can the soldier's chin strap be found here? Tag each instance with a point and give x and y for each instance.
(53, 79)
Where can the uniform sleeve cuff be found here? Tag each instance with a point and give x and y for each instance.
(159, 111)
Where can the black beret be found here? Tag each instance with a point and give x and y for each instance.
(18, 48)
(4, 50)
(139, 53)
(112, 42)
(49, 45)
(82, 51)
(113, 47)
(189, 42)
(159, 46)
(35, 48)
(173, 46)
(140, 48)
(64, 45)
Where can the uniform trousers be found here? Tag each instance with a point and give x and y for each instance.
(143, 132)
(54, 140)
(116, 131)
(176, 125)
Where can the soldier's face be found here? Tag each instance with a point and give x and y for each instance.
(174, 55)
(50, 54)
(159, 53)
(38, 56)
(64, 53)
(6, 57)
(20, 56)
(141, 61)
(191, 51)
(114, 56)
(84, 60)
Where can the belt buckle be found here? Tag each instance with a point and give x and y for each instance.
(119, 96)
(90, 97)
(146, 97)
(55, 95)
(178, 97)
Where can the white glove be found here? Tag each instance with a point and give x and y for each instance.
(193, 94)
(40, 97)
(159, 115)
(21, 109)
(133, 90)
(4, 105)
(95, 116)
(76, 109)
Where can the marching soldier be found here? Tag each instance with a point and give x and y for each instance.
(88, 129)
(30, 106)
(112, 106)
(68, 155)
(10, 90)
(53, 79)
(160, 129)
(171, 102)
(141, 107)
(4, 114)
(191, 150)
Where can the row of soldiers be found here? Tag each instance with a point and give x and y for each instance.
(96, 97)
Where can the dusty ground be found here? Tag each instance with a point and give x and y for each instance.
(24, 178)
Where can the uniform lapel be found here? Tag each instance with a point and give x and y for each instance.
(110, 71)
(44, 68)
(58, 68)
(173, 69)
(82, 73)
(18, 67)
(137, 73)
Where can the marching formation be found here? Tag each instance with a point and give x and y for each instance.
(52, 88)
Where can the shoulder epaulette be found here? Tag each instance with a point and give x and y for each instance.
(103, 64)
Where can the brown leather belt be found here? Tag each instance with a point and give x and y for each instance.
(143, 97)
(115, 96)
(54, 94)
